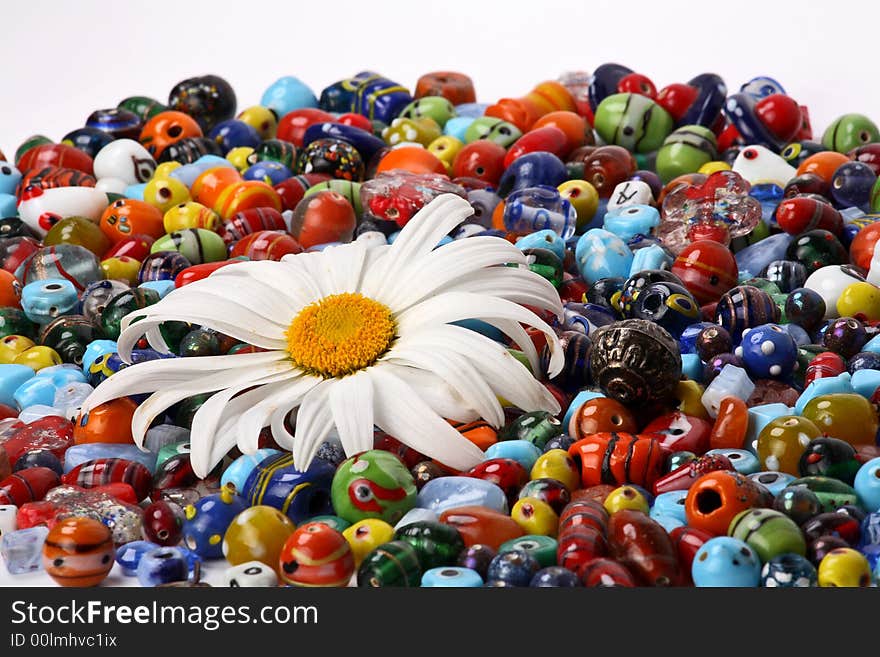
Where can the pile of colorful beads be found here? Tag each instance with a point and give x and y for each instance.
(719, 273)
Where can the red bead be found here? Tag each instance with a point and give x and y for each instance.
(198, 272)
(677, 432)
(98, 472)
(293, 125)
(55, 155)
(548, 139)
(137, 247)
(482, 159)
(605, 573)
(715, 498)
(781, 114)
(266, 245)
(825, 365)
(579, 545)
(707, 269)
(677, 99)
(868, 154)
(250, 221)
(681, 478)
(687, 542)
(323, 218)
(588, 513)
(28, 485)
(731, 424)
(52, 432)
(643, 546)
(802, 213)
(637, 83)
(356, 121)
(618, 458)
(292, 190)
(507, 474)
(163, 523)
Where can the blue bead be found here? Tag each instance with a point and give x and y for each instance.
(687, 343)
(135, 192)
(801, 337)
(872, 345)
(159, 287)
(188, 173)
(457, 126)
(471, 110)
(9, 179)
(743, 460)
(867, 485)
(731, 380)
(287, 94)
(554, 577)
(39, 458)
(22, 549)
(78, 454)
(670, 504)
(760, 416)
(44, 300)
(752, 260)
(824, 386)
(728, 562)
(789, 571)
(365, 143)
(513, 568)
(128, 556)
(38, 390)
(601, 254)
(652, 256)
(870, 530)
(162, 565)
(692, 367)
(521, 451)
(444, 493)
(11, 377)
(774, 482)
(667, 522)
(267, 171)
(531, 170)
(8, 205)
(481, 327)
(630, 220)
(865, 382)
(768, 351)
(207, 521)
(240, 469)
(543, 239)
(451, 577)
(94, 350)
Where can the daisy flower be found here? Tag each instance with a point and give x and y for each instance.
(353, 337)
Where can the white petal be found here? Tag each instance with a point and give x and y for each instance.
(313, 422)
(347, 266)
(155, 374)
(249, 293)
(456, 306)
(351, 404)
(459, 373)
(430, 274)
(278, 425)
(260, 415)
(401, 413)
(518, 284)
(169, 395)
(207, 419)
(434, 391)
(288, 279)
(517, 333)
(420, 236)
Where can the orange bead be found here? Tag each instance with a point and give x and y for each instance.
(600, 415)
(572, 124)
(480, 433)
(861, 250)
(167, 128)
(479, 524)
(107, 423)
(78, 552)
(618, 458)
(731, 424)
(716, 498)
(127, 216)
(498, 216)
(322, 218)
(412, 159)
(10, 290)
(822, 164)
(246, 195)
(206, 189)
(547, 97)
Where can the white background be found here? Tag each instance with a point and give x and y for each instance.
(59, 61)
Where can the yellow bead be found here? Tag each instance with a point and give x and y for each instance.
(261, 119)
(711, 167)
(844, 567)
(163, 171)
(366, 535)
(165, 193)
(37, 358)
(583, 198)
(859, 299)
(121, 268)
(535, 516)
(11, 346)
(446, 148)
(626, 497)
(189, 215)
(690, 399)
(240, 157)
(557, 464)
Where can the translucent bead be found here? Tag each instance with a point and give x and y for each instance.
(732, 380)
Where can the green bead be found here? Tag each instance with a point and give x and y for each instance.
(373, 484)
(763, 284)
(522, 358)
(68, 336)
(875, 196)
(187, 409)
(275, 150)
(391, 564)
(504, 134)
(173, 334)
(31, 142)
(537, 427)
(678, 459)
(144, 107)
(337, 523)
(347, 188)
(850, 131)
(121, 305)
(685, 151)
(635, 122)
(832, 493)
(575, 170)
(543, 548)
(14, 322)
(197, 245)
(170, 450)
(199, 342)
(437, 544)
(546, 264)
(433, 107)
(768, 532)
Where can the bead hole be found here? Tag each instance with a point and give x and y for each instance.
(708, 501)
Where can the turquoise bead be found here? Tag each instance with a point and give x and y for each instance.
(8, 205)
(867, 485)
(135, 192)
(670, 504)
(775, 482)
(287, 94)
(825, 386)
(444, 493)
(41, 389)
(579, 400)
(627, 221)
(451, 577)
(667, 522)
(94, 350)
(521, 451)
(760, 416)
(692, 367)
(457, 126)
(482, 328)
(159, 287)
(44, 300)
(650, 257)
(743, 460)
(543, 239)
(11, 377)
(239, 470)
(873, 345)
(602, 254)
(865, 382)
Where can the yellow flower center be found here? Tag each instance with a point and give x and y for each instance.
(339, 335)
